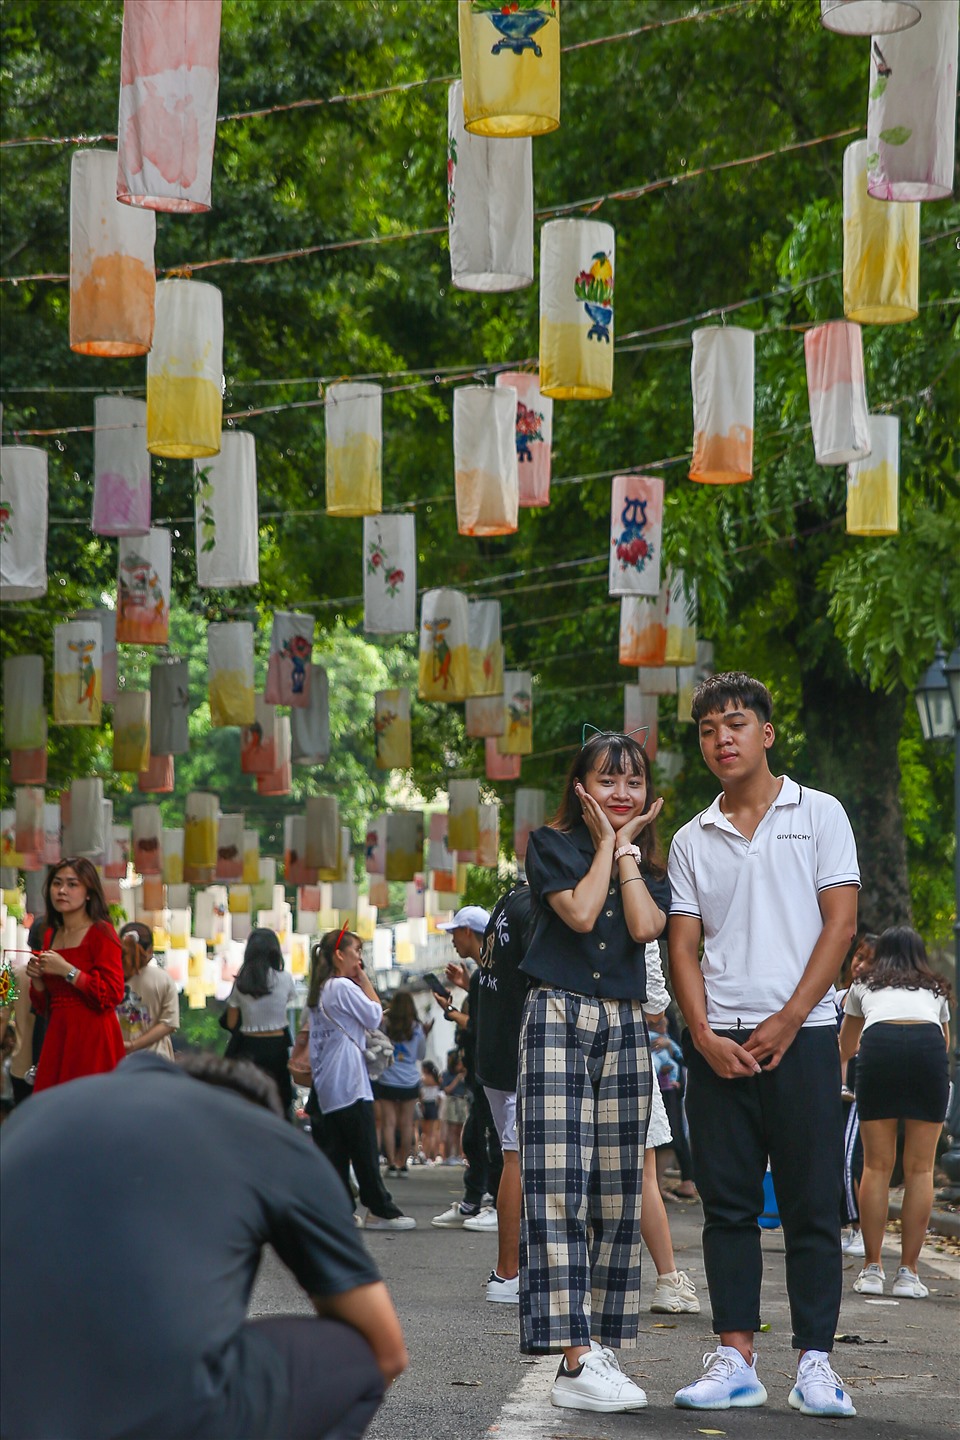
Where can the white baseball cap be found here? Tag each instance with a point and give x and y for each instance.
(471, 917)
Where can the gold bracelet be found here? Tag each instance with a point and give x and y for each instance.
(629, 880)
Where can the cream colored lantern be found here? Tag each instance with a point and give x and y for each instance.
(681, 645)
(912, 111)
(485, 459)
(310, 726)
(185, 372)
(230, 673)
(77, 661)
(444, 646)
(722, 374)
(510, 62)
(636, 531)
(389, 574)
(147, 826)
(353, 414)
(837, 392)
(23, 522)
(486, 647)
(881, 249)
(87, 837)
(226, 515)
(873, 484)
(121, 467)
(112, 279)
(657, 679)
(489, 206)
(577, 261)
(391, 723)
(131, 731)
(517, 738)
(534, 436)
(530, 811)
(868, 17)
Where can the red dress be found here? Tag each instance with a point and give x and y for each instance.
(83, 1033)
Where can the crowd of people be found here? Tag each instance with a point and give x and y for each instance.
(568, 1088)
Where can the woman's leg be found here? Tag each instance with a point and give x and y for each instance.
(405, 1121)
(388, 1130)
(654, 1225)
(362, 1137)
(879, 1152)
(919, 1153)
(329, 1136)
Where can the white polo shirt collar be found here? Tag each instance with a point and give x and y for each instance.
(790, 793)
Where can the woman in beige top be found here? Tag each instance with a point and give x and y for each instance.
(149, 1012)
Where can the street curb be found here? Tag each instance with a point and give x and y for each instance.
(941, 1222)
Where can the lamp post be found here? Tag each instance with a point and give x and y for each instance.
(938, 701)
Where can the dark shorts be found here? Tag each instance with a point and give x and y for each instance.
(396, 1093)
(902, 1073)
(431, 1110)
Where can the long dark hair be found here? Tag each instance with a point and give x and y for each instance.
(322, 967)
(900, 960)
(96, 903)
(262, 954)
(400, 1016)
(611, 755)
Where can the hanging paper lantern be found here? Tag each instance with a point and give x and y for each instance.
(169, 707)
(389, 574)
(643, 629)
(77, 658)
(117, 858)
(353, 414)
(50, 853)
(10, 857)
(112, 279)
(517, 738)
(404, 844)
(171, 849)
(441, 857)
(912, 112)
(158, 778)
(688, 678)
(444, 652)
(152, 894)
(530, 812)
(291, 649)
(510, 62)
(28, 826)
(86, 818)
(375, 845)
(636, 529)
(230, 847)
(107, 620)
(225, 512)
(346, 855)
(323, 835)
(251, 857)
(488, 836)
(837, 392)
(489, 206)
(185, 372)
(657, 679)
(497, 766)
(121, 467)
(485, 460)
(131, 731)
(258, 742)
(640, 714)
(279, 781)
(484, 716)
(143, 589)
(873, 484)
(721, 374)
(414, 907)
(295, 868)
(24, 718)
(534, 436)
(391, 724)
(485, 646)
(576, 309)
(681, 646)
(868, 17)
(147, 825)
(881, 249)
(230, 673)
(169, 80)
(209, 912)
(464, 816)
(200, 837)
(310, 727)
(23, 522)
(29, 767)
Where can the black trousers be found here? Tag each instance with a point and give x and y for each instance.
(335, 1384)
(793, 1115)
(270, 1054)
(349, 1136)
(480, 1143)
(673, 1104)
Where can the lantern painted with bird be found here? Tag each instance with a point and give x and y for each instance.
(577, 262)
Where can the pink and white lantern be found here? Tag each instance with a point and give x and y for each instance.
(722, 379)
(534, 436)
(485, 459)
(498, 766)
(291, 650)
(636, 534)
(837, 392)
(530, 812)
(112, 277)
(121, 467)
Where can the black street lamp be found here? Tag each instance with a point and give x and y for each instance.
(938, 701)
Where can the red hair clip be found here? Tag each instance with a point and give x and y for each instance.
(339, 938)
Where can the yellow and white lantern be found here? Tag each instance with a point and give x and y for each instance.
(131, 731)
(463, 822)
(510, 62)
(873, 484)
(354, 421)
(77, 661)
(444, 669)
(185, 372)
(517, 738)
(681, 644)
(486, 647)
(391, 723)
(577, 263)
(230, 673)
(200, 829)
(881, 249)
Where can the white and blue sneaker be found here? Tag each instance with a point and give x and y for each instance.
(819, 1389)
(727, 1383)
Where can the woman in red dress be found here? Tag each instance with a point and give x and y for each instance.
(78, 981)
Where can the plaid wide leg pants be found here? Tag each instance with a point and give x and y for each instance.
(583, 1103)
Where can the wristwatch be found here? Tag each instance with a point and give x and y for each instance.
(71, 975)
(633, 850)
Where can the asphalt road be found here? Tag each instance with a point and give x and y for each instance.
(467, 1379)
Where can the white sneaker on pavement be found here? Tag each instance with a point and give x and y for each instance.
(452, 1219)
(870, 1281)
(675, 1297)
(852, 1243)
(597, 1384)
(486, 1220)
(727, 1382)
(501, 1291)
(909, 1286)
(396, 1222)
(819, 1389)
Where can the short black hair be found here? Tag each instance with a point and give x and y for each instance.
(716, 692)
(241, 1076)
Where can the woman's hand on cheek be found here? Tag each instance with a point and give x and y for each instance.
(629, 832)
(593, 817)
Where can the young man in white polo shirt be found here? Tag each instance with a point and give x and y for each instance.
(768, 875)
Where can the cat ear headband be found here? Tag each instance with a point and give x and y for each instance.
(615, 734)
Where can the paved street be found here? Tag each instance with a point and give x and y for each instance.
(467, 1380)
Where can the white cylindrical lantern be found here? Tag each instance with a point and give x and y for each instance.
(279, 781)
(147, 825)
(517, 737)
(657, 679)
(107, 620)
(296, 869)
(375, 845)
(185, 372)
(868, 17)
(171, 849)
(576, 309)
(354, 421)
(485, 646)
(389, 574)
(640, 718)
(534, 436)
(24, 717)
(200, 828)
(636, 529)
(258, 742)
(873, 484)
(169, 81)
(230, 847)
(169, 708)
(441, 858)
(291, 649)
(121, 466)
(484, 716)
(485, 459)
(143, 589)
(463, 834)
(230, 673)
(391, 723)
(310, 725)
(912, 111)
(131, 731)
(404, 844)
(29, 824)
(497, 766)
(681, 643)
(721, 375)
(86, 818)
(489, 206)
(837, 392)
(159, 777)
(323, 835)
(112, 278)
(77, 660)
(23, 522)
(226, 515)
(881, 249)
(444, 651)
(643, 629)
(488, 836)
(117, 855)
(51, 834)
(530, 812)
(510, 63)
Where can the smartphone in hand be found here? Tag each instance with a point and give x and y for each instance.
(438, 987)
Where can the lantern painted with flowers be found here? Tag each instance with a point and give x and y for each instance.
(721, 374)
(353, 414)
(131, 731)
(577, 260)
(534, 436)
(291, 649)
(112, 279)
(912, 111)
(77, 660)
(486, 647)
(837, 392)
(444, 648)
(391, 723)
(143, 589)
(881, 249)
(517, 738)
(389, 574)
(310, 724)
(121, 466)
(489, 206)
(185, 371)
(230, 673)
(510, 62)
(225, 514)
(485, 460)
(873, 484)
(636, 528)
(258, 742)
(23, 522)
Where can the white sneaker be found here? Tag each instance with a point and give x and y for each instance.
(503, 1292)
(852, 1243)
(675, 1297)
(452, 1219)
(869, 1281)
(597, 1384)
(909, 1286)
(819, 1389)
(486, 1220)
(727, 1382)
(398, 1222)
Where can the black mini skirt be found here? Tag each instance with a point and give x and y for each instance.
(902, 1073)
